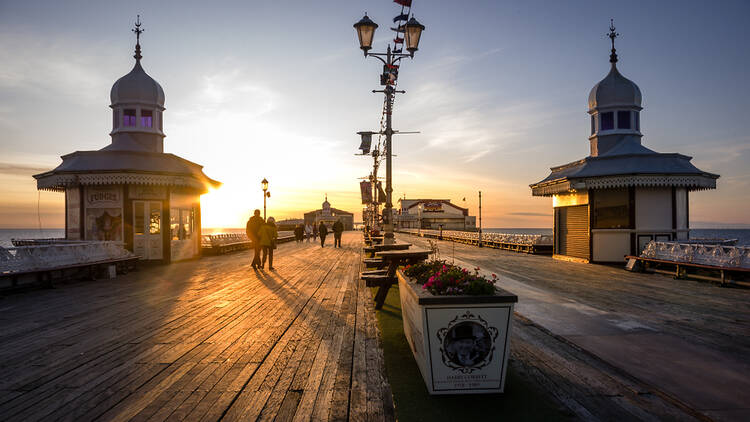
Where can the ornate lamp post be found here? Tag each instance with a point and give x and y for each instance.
(266, 194)
(365, 32)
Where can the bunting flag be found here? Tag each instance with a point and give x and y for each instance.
(402, 17)
(405, 3)
(398, 40)
(366, 189)
(398, 50)
(381, 194)
(401, 28)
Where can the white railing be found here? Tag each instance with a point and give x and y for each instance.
(222, 239)
(508, 238)
(715, 255)
(55, 255)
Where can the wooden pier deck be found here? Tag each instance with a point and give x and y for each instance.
(202, 340)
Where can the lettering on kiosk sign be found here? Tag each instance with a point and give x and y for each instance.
(103, 197)
(432, 207)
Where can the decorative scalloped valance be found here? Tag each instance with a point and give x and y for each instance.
(58, 182)
(691, 182)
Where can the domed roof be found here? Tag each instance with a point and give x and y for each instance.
(614, 90)
(137, 87)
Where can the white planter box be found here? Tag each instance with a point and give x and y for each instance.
(461, 343)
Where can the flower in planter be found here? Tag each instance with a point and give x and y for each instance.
(440, 278)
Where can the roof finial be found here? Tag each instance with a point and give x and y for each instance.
(137, 30)
(612, 35)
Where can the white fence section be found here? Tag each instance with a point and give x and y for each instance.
(518, 239)
(715, 255)
(59, 254)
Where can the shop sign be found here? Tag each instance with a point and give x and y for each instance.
(103, 197)
(432, 207)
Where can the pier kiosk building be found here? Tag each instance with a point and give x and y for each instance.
(131, 190)
(329, 215)
(433, 214)
(623, 195)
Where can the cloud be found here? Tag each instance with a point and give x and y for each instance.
(21, 169)
(46, 68)
(530, 214)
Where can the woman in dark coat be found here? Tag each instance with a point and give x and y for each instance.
(322, 231)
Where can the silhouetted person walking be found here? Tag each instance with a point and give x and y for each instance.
(299, 232)
(268, 236)
(323, 231)
(338, 228)
(253, 233)
(314, 232)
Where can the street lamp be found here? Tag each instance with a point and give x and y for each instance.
(413, 31)
(266, 194)
(365, 32)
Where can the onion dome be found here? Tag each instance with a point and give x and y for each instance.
(137, 87)
(614, 90)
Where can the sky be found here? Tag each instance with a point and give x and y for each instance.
(278, 89)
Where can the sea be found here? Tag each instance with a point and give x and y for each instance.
(742, 235)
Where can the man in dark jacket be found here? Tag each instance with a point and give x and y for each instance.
(253, 233)
(323, 232)
(338, 228)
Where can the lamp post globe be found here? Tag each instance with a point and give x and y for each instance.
(365, 31)
(264, 183)
(413, 31)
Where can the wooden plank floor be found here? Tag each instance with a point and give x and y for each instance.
(203, 340)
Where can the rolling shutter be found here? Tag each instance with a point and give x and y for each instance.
(573, 231)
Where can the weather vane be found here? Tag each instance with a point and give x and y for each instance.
(137, 30)
(612, 35)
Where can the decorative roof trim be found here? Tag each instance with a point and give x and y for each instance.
(691, 182)
(58, 182)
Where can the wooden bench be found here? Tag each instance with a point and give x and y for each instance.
(394, 259)
(377, 280)
(44, 276)
(374, 262)
(680, 269)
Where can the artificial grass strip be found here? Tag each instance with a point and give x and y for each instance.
(521, 400)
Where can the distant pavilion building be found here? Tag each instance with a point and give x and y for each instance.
(130, 190)
(329, 215)
(613, 202)
(433, 214)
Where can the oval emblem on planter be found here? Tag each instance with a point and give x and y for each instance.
(467, 343)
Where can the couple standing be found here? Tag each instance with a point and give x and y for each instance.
(263, 235)
(338, 229)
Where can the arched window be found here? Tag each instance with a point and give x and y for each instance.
(128, 117)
